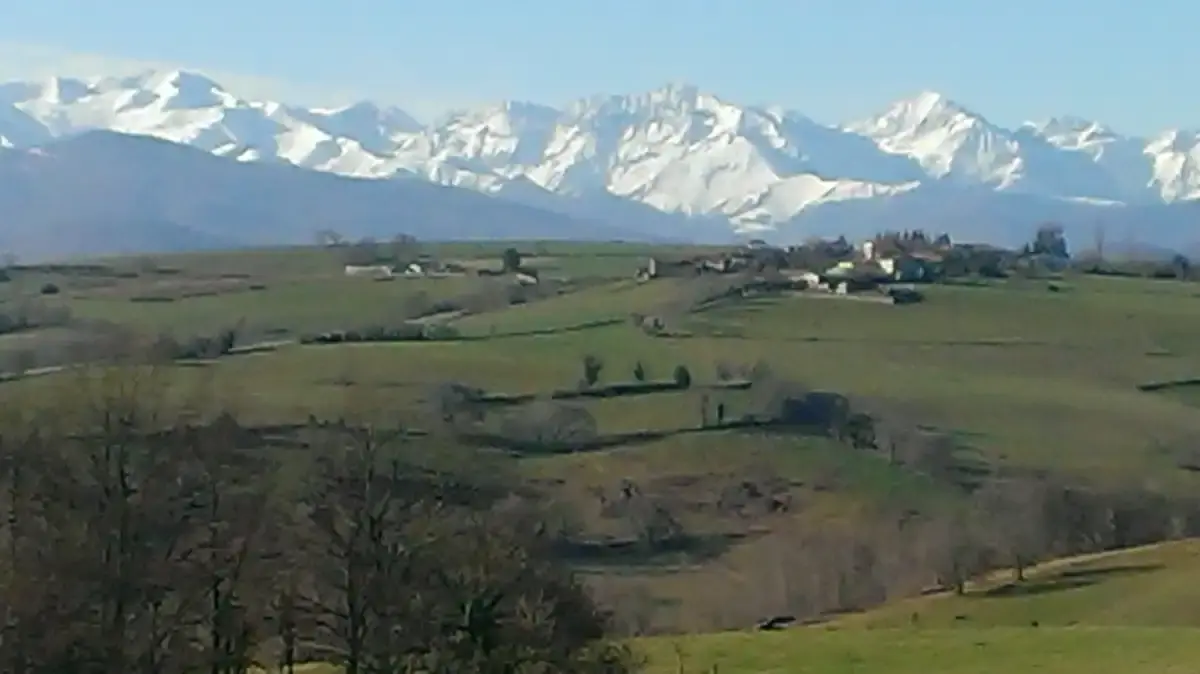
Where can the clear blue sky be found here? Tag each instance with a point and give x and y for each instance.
(1130, 64)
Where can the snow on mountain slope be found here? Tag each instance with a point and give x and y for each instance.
(956, 144)
(18, 129)
(947, 140)
(1176, 160)
(1126, 162)
(193, 110)
(676, 150)
(106, 192)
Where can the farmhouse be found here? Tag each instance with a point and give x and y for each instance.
(371, 271)
(910, 267)
(805, 279)
(656, 268)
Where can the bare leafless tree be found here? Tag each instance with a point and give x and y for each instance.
(1015, 515)
(141, 534)
(952, 550)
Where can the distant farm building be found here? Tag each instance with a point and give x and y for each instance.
(369, 271)
(806, 279)
(910, 268)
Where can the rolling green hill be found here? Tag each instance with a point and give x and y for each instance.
(1025, 374)
(1130, 611)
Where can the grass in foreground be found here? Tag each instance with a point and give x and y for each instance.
(1152, 586)
(947, 651)
(967, 651)
(1130, 611)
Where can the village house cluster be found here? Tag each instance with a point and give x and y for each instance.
(836, 266)
(427, 266)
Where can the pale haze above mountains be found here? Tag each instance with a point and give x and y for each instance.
(677, 163)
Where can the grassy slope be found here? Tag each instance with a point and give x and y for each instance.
(1030, 376)
(1128, 612)
(1153, 586)
(286, 306)
(967, 651)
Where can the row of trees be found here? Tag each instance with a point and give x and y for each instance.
(401, 249)
(894, 548)
(137, 537)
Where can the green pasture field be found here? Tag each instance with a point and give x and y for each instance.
(1130, 611)
(284, 307)
(1027, 373)
(1031, 376)
(948, 651)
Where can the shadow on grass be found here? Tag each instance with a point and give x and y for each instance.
(1070, 579)
(541, 332)
(992, 342)
(616, 390)
(600, 443)
(689, 548)
(1184, 384)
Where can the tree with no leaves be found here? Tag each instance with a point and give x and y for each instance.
(328, 238)
(404, 249)
(551, 426)
(952, 549)
(413, 575)
(138, 535)
(1016, 512)
(510, 260)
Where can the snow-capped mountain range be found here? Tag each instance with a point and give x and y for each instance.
(764, 171)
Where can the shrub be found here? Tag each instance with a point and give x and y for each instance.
(724, 371)
(441, 332)
(551, 426)
(653, 325)
(405, 332)
(639, 372)
(31, 315)
(682, 376)
(197, 348)
(511, 260)
(592, 367)
(225, 341)
(164, 348)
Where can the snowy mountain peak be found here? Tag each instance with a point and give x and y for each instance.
(927, 103)
(922, 113)
(669, 100)
(946, 139)
(1061, 124)
(677, 148)
(1175, 140)
(674, 94)
(184, 90)
(1071, 131)
(366, 114)
(64, 90)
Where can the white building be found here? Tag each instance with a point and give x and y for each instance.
(371, 271)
